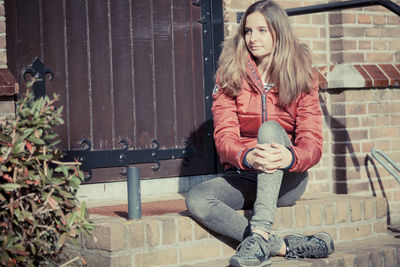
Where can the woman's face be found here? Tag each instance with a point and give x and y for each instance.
(258, 38)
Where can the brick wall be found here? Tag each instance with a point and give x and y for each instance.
(363, 35)
(356, 52)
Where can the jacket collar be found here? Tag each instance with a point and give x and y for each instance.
(252, 72)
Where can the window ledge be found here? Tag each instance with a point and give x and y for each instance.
(359, 76)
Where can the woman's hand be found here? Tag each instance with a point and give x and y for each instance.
(269, 157)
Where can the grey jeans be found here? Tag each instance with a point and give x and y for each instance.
(214, 202)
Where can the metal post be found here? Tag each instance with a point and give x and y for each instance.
(134, 199)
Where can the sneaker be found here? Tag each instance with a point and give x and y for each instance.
(252, 252)
(319, 245)
(276, 243)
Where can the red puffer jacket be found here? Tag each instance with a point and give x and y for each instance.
(237, 119)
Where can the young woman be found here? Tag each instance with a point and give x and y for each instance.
(268, 132)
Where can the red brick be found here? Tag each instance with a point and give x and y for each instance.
(379, 45)
(379, 20)
(348, 18)
(372, 32)
(319, 45)
(318, 19)
(366, 147)
(395, 120)
(394, 45)
(304, 19)
(287, 4)
(375, 8)
(335, 18)
(306, 32)
(339, 45)
(364, 19)
(393, 108)
(379, 57)
(353, 32)
(336, 32)
(364, 95)
(393, 20)
(390, 32)
(364, 45)
(389, 132)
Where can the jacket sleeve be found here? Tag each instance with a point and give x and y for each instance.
(308, 142)
(227, 131)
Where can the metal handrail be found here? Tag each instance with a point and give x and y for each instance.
(343, 5)
(380, 157)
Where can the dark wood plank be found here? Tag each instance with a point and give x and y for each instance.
(101, 95)
(54, 59)
(122, 71)
(183, 69)
(143, 73)
(28, 35)
(11, 37)
(164, 83)
(78, 81)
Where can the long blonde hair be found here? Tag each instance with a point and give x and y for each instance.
(288, 66)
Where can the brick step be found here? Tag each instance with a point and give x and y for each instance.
(174, 239)
(383, 251)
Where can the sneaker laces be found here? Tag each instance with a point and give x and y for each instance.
(302, 247)
(252, 246)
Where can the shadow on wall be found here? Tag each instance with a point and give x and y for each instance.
(345, 159)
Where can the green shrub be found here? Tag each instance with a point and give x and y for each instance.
(39, 211)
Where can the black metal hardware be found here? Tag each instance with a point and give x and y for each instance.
(343, 5)
(196, 3)
(123, 157)
(336, 6)
(38, 71)
(213, 35)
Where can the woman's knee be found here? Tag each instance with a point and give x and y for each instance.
(271, 131)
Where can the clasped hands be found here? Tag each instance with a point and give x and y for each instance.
(269, 157)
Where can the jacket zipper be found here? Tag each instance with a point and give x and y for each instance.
(264, 102)
(264, 107)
